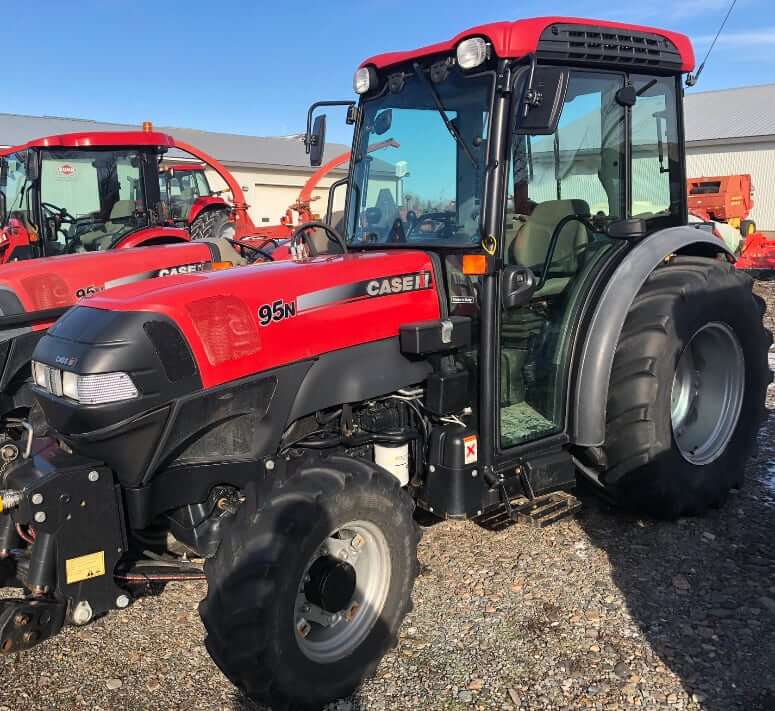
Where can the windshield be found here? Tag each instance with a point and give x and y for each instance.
(182, 188)
(15, 188)
(91, 199)
(420, 166)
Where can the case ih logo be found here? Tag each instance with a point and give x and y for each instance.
(182, 269)
(66, 170)
(398, 284)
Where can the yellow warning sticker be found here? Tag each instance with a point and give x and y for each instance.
(84, 567)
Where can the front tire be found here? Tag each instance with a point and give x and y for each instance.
(281, 575)
(688, 388)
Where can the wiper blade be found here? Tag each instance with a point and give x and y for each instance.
(453, 130)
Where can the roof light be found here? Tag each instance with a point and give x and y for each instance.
(363, 80)
(472, 52)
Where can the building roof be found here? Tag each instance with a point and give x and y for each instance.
(739, 115)
(232, 149)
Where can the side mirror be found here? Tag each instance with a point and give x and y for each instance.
(3, 208)
(3, 172)
(383, 122)
(542, 101)
(317, 141)
(32, 165)
(517, 286)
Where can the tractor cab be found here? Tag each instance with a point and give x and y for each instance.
(542, 168)
(81, 193)
(182, 185)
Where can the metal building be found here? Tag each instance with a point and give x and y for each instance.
(732, 131)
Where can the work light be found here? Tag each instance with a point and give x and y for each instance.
(363, 80)
(472, 52)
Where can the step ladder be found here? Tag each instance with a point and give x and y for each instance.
(538, 512)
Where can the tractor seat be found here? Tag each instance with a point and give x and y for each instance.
(530, 243)
(121, 211)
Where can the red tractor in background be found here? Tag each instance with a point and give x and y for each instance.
(187, 192)
(85, 192)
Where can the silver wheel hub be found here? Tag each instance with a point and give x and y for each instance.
(342, 592)
(707, 394)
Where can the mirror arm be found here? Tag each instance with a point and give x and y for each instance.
(308, 137)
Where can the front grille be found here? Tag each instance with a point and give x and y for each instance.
(587, 44)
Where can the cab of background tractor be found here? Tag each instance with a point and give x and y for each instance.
(181, 185)
(73, 194)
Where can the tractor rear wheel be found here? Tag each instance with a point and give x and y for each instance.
(687, 389)
(209, 224)
(311, 582)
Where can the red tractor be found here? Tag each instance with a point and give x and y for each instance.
(488, 324)
(95, 191)
(192, 202)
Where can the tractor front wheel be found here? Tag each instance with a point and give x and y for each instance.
(311, 582)
(687, 389)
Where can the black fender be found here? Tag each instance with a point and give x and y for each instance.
(589, 389)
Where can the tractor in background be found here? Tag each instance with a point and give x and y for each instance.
(87, 192)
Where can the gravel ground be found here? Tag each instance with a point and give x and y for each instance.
(605, 611)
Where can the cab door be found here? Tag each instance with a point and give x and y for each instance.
(556, 183)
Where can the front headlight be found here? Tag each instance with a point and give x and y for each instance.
(95, 389)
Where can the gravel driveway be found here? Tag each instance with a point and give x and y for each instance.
(606, 611)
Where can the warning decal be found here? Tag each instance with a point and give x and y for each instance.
(84, 567)
(471, 446)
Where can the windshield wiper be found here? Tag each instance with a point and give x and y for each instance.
(453, 130)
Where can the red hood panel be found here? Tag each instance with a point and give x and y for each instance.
(60, 281)
(243, 321)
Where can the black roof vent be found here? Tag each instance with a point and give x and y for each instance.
(600, 46)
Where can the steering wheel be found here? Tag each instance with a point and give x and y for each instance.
(432, 218)
(299, 237)
(60, 212)
(257, 250)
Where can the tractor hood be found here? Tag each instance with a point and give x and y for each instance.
(190, 354)
(240, 322)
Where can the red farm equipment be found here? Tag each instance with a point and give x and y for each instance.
(727, 201)
(102, 190)
(470, 343)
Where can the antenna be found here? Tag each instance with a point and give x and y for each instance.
(692, 79)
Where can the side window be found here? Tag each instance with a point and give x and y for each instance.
(655, 151)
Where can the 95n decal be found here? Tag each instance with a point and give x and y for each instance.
(276, 311)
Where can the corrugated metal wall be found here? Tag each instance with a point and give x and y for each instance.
(756, 159)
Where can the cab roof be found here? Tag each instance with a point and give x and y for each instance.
(515, 40)
(98, 139)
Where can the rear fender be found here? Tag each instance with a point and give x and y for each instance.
(153, 236)
(589, 388)
(205, 203)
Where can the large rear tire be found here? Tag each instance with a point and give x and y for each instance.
(688, 388)
(334, 538)
(209, 224)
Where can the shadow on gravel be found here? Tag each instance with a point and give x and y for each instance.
(702, 590)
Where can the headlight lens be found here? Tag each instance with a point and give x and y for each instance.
(96, 389)
(471, 52)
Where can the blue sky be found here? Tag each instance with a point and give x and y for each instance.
(253, 67)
